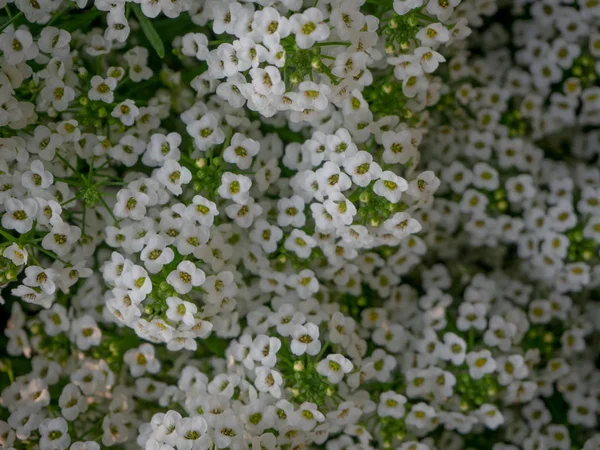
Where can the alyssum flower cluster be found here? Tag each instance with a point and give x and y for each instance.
(287, 224)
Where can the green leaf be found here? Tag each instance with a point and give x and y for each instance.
(150, 31)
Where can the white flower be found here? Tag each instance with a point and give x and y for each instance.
(313, 96)
(309, 28)
(61, 238)
(398, 147)
(334, 367)
(291, 212)
(202, 211)
(40, 277)
(268, 380)
(300, 243)
(191, 433)
(391, 404)
(267, 82)
(141, 360)
(186, 277)
(270, 26)
(17, 255)
(480, 363)
(305, 339)
(172, 175)
(362, 169)
(403, 6)
(17, 46)
(340, 209)
(19, 215)
(102, 89)
(428, 58)
(206, 132)
(235, 187)
(181, 311)
(156, 254)
(307, 417)
(85, 332)
(266, 235)
(72, 402)
(131, 204)
(244, 215)
(390, 186)
(54, 434)
(331, 179)
(161, 148)
(126, 112)
(264, 350)
(196, 45)
(241, 151)
(305, 282)
(433, 35)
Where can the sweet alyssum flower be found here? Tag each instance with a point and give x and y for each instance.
(337, 224)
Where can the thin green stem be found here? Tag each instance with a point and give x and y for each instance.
(83, 219)
(109, 210)
(67, 163)
(52, 255)
(327, 44)
(77, 197)
(10, 21)
(8, 236)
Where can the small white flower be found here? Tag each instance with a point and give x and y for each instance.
(307, 417)
(19, 215)
(391, 404)
(186, 277)
(102, 89)
(141, 360)
(17, 255)
(235, 187)
(54, 434)
(334, 367)
(480, 363)
(181, 311)
(173, 176)
(305, 339)
(268, 380)
(126, 112)
(240, 151)
(156, 254)
(309, 28)
(390, 186)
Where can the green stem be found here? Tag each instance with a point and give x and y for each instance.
(326, 44)
(78, 196)
(8, 236)
(83, 219)
(322, 352)
(57, 15)
(425, 17)
(10, 21)
(52, 255)
(67, 163)
(218, 42)
(109, 210)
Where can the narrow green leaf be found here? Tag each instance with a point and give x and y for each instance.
(149, 31)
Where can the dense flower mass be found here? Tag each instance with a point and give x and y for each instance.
(288, 224)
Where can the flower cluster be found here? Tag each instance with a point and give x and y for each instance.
(287, 224)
